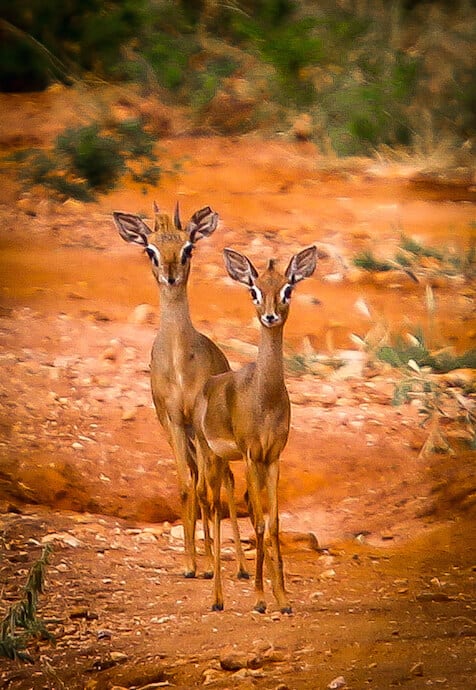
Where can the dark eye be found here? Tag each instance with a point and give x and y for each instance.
(152, 254)
(187, 253)
(286, 294)
(254, 294)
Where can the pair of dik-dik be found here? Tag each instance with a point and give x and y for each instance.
(213, 415)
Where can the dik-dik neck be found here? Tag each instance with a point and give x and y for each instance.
(174, 311)
(269, 371)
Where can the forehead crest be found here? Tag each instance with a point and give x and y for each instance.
(166, 232)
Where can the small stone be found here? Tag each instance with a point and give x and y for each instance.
(337, 683)
(327, 395)
(176, 532)
(129, 414)
(142, 314)
(417, 669)
(211, 675)
(233, 662)
(104, 634)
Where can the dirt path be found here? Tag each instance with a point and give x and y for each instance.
(385, 599)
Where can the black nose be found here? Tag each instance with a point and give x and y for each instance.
(270, 318)
(171, 280)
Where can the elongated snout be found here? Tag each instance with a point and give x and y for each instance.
(270, 319)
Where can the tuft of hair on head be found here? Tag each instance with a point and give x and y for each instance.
(271, 264)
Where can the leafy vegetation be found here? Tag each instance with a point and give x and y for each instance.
(368, 74)
(87, 160)
(409, 256)
(369, 262)
(400, 353)
(23, 615)
(418, 383)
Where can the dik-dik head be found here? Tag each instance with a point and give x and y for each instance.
(271, 291)
(169, 246)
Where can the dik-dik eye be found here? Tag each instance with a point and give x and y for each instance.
(286, 293)
(153, 254)
(187, 253)
(255, 295)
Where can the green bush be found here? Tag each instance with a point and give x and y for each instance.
(369, 262)
(43, 40)
(87, 160)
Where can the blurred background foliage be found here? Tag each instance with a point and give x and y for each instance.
(365, 74)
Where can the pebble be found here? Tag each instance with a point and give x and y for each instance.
(327, 395)
(417, 669)
(142, 314)
(129, 414)
(233, 662)
(176, 532)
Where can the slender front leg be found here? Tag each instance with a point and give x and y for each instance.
(187, 479)
(229, 482)
(256, 510)
(202, 495)
(277, 573)
(214, 478)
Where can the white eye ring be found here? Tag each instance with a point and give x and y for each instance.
(153, 254)
(285, 293)
(186, 252)
(256, 295)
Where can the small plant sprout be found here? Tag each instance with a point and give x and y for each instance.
(23, 615)
(420, 383)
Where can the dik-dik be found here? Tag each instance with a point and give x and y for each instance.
(246, 415)
(182, 358)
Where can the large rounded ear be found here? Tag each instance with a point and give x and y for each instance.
(239, 267)
(132, 228)
(202, 224)
(302, 265)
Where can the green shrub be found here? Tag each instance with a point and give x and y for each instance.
(43, 40)
(87, 160)
(92, 155)
(399, 354)
(368, 262)
(414, 247)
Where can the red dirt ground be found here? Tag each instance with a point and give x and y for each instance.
(385, 600)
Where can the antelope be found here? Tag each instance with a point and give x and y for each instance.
(182, 360)
(245, 414)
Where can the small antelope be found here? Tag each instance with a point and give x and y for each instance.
(246, 415)
(182, 359)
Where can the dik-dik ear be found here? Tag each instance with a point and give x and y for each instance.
(239, 267)
(302, 265)
(202, 224)
(132, 228)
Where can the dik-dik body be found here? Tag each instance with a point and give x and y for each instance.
(246, 415)
(182, 357)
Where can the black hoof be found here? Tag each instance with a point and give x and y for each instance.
(217, 607)
(287, 609)
(208, 575)
(243, 575)
(260, 608)
(189, 574)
